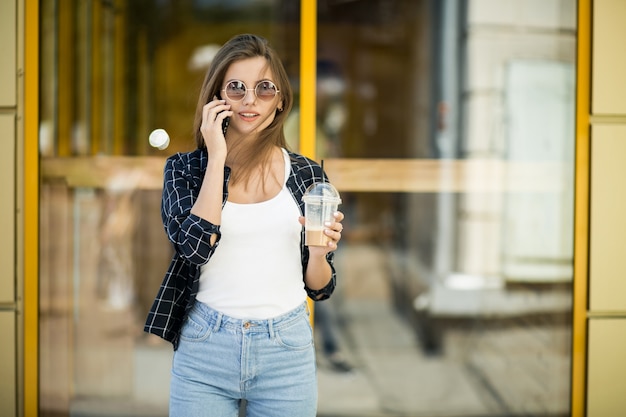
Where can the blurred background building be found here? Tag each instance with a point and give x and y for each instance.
(478, 146)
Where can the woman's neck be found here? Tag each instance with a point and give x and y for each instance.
(247, 161)
(258, 183)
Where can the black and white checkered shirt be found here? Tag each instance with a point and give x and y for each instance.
(191, 235)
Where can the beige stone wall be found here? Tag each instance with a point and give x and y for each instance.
(607, 263)
(8, 111)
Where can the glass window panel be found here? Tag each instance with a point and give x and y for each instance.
(449, 129)
(112, 72)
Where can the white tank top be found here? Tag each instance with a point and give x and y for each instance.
(256, 271)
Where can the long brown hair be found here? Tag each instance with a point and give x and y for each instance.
(237, 48)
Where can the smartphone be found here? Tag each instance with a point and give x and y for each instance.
(225, 123)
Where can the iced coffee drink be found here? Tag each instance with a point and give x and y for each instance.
(316, 237)
(320, 203)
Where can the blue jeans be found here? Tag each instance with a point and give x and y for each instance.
(221, 360)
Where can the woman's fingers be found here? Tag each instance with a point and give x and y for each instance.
(332, 229)
(213, 113)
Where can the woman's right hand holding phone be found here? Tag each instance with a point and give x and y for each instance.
(213, 115)
(208, 205)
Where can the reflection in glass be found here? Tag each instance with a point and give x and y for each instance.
(113, 72)
(457, 279)
(455, 265)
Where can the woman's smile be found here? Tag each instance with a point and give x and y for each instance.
(249, 116)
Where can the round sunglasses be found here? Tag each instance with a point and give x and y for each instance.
(236, 90)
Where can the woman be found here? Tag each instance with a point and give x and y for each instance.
(233, 301)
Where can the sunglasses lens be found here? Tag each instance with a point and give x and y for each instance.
(235, 90)
(265, 90)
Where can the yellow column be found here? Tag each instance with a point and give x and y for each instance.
(30, 218)
(308, 58)
(581, 216)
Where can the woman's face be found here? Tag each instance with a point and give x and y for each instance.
(250, 114)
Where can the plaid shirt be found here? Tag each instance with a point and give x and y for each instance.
(191, 235)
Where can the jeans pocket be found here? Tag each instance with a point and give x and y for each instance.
(297, 336)
(194, 329)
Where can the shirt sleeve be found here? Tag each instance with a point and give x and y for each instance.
(189, 233)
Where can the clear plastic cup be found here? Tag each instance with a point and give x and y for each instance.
(321, 201)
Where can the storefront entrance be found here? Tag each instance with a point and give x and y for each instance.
(448, 128)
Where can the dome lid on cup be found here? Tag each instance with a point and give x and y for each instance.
(324, 191)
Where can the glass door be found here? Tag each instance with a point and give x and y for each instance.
(112, 72)
(448, 128)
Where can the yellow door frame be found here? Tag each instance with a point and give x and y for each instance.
(581, 212)
(308, 82)
(30, 250)
(308, 56)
